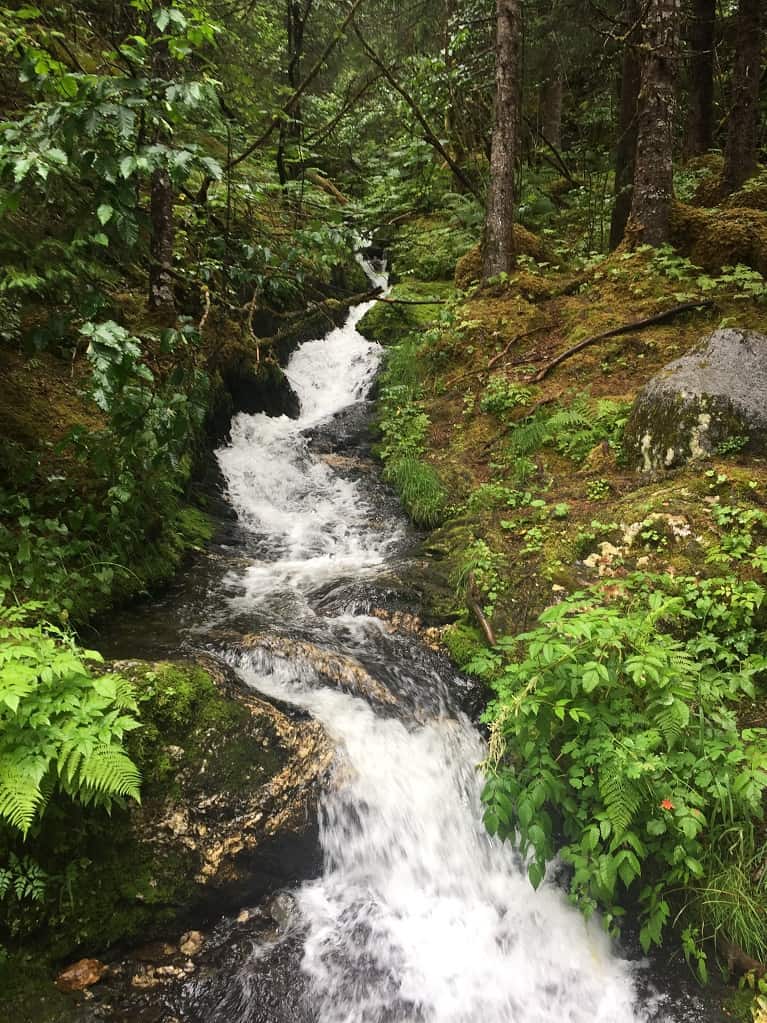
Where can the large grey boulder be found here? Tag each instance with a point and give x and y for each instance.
(714, 395)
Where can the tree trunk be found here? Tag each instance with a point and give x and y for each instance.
(702, 38)
(654, 167)
(625, 154)
(501, 199)
(741, 151)
(291, 127)
(552, 95)
(161, 294)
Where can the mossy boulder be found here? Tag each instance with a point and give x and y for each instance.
(711, 399)
(388, 322)
(714, 238)
(469, 268)
(227, 815)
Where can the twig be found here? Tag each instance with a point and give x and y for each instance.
(206, 310)
(473, 600)
(627, 328)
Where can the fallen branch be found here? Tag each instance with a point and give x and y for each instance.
(627, 328)
(413, 301)
(473, 600)
(520, 337)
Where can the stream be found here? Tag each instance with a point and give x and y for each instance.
(417, 915)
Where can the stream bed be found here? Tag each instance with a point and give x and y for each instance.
(416, 915)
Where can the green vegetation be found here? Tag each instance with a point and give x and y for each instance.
(62, 729)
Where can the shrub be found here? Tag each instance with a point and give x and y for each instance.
(615, 742)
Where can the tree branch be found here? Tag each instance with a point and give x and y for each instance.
(430, 136)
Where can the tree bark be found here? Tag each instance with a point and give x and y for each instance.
(625, 154)
(499, 256)
(161, 294)
(702, 39)
(741, 151)
(654, 167)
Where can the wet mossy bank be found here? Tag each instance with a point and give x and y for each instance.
(227, 815)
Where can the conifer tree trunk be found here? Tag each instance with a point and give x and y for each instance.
(501, 199)
(161, 294)
(702, 38)
(654, 167)
(625, 154)
(552, 95)
(740, 158)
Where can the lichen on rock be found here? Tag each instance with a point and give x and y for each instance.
(716, 395)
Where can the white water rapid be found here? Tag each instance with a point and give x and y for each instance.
(419, 916)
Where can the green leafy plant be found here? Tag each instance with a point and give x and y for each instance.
(615, 743)
(61, 727)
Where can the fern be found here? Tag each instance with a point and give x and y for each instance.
(60, 727)
(621, 796)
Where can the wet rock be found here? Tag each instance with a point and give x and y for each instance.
(282, 909)
(711, 398)
(81, 975)
(310, 661)
(191, 943)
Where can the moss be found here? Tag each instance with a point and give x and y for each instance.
(29, 995)
(714, 238)
(469, 268)
(463, 642)
(388, 322)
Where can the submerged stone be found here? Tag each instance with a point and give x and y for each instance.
(712, 400)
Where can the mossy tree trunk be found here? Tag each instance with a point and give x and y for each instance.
(741, 151)
(649, 222)
(702, 40)
(499, 254)
(625, 155)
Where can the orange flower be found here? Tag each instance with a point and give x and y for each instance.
(666, 804)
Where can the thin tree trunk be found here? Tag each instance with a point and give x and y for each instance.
(161, 294)
(741, 151)
(499, 256)
(702, 38)
(625, 154)
(654, 168)
(552, 95)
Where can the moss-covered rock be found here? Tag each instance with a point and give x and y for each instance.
(714, 238)
(716, 395)
(388, 322)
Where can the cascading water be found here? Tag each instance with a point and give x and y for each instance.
(419, 916)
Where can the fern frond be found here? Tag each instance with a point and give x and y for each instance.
(109, 771)
(21, 796)
(620, 795)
